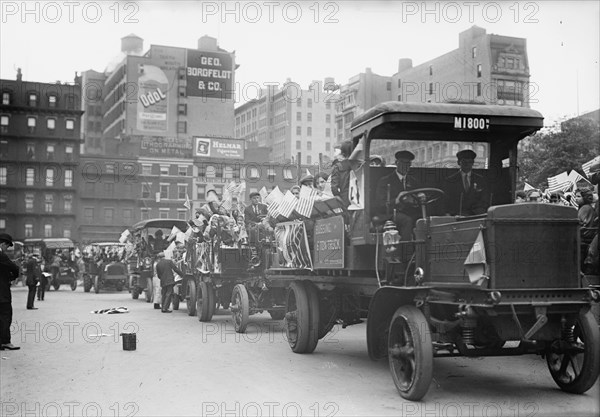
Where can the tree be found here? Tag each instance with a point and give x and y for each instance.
(544, 155)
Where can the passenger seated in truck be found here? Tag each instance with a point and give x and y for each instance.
(388, 205)
(466, 192)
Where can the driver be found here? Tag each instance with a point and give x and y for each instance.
(466, 191)
(388, 189)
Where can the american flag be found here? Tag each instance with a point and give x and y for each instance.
(274, 196)
(306, 200)
(263, 193)
(528, 187)
(586, 167)
(575, 177)
(227, 203)
(559, 182)
(273, 209)
(288, 204)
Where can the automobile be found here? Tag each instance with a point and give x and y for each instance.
(66, 269)
(505, 281)
(149, 239)
(105, 266)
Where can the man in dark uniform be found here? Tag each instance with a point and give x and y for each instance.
(387, 193)
(466, 192)
(256, 211)
(9, 271)
(33, 277)
(164, 271)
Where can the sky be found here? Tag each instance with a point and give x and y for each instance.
(306, 41)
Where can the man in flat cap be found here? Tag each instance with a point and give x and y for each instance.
(256, 211)
(388, 189)
(9, 271)
(466, 192)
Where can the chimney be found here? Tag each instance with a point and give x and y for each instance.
(19, 75)
(207, 43)
(132, 45)
(404, 64)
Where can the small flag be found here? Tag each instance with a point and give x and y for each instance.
(275, 196)
(306, 201)
(559, 182)
(288, 204)
(586, 167)
(476, 262)
(575, 177)
(227, 203)
(188, 203)
(273, 209)
(528, 187)
(173, 233)
(263, 193)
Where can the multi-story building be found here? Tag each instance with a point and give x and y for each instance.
(290, 121)
(484, 69)
(157, 108)
(39, 155)
(91, 103)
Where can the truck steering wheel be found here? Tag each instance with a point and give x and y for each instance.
(420, 196)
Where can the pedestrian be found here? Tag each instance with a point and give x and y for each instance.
(9, 271)
(41, 292)
(55, 266)
(164, 270)
(33, 278)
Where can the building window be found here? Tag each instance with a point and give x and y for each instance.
(309, 117)
(5, 98)
(163, 213)
(47, 230)
(31, 122)
(28, 230)
(298, 145)
(298, 130)
(2, 224)
(399, 97)
(164, 170)
(182, 191)
(254, 173)
(88, 214)
(70, 124)
(327, 146)
(67, 231)
(182, 171)
(271, 173)
(109, 214)
(200, 192)
(181, 127)
(309, 146)
(69, 153)
(182, 91)
(309, 159)
(29, 176)
(298, 116)
(50, 152)
(48, 203)
(478, 70)
(3, 201)
(309, 103)
(144, 214)
(4, 148)
(327, 132)
(309, 131)
(110, 168)
(389, 86)
(30, 151)
(478, 89)
(431, 70)
(68, 177)
(182, 109)
(4, 124)
(146, 169)
(327, 118)
(3, 173)
(181, 214)
(211, 171)
(127, 215)
(49, 177)
(430, 88)
(51, 101)
(29, 202)
(299, 101)
(287, 174)
(228, 172)
(68, 203)
(164, 191)
(32, 99)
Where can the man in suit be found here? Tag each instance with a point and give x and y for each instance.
(256, 211)
(9, 271)
(164, 271)
(466, 192)
(387, 193)
(33, 277)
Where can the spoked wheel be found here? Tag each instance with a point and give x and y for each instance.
(205, 303)
(410, 353)
(298, 323)
(149, 290)
(191, 297)
(175, 299)
(97, 284)
(240, 308)
(574, 362)
(73, 285)
(87, 284)
(312, 293)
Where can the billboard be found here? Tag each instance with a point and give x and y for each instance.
(209, 74)
(165, 146)
(153, 101)
(218, 148)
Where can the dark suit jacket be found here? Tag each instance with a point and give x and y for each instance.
(164, 271)
(474, 201)
(251, 217)
(395, 187)
(9, 271)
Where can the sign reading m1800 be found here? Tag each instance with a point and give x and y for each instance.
(471, 123)
(209, 74)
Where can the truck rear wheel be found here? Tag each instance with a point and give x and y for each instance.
(149, 290)
(240, 308)
(297, 318)
(205, 303)
(574, 363)
(191, 297)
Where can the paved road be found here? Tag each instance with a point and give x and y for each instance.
(184, 367)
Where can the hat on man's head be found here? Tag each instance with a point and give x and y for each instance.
(254, 194)
(376, 158)
(5, 237)
(307, 178)
(466, 154)
(404, 155)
